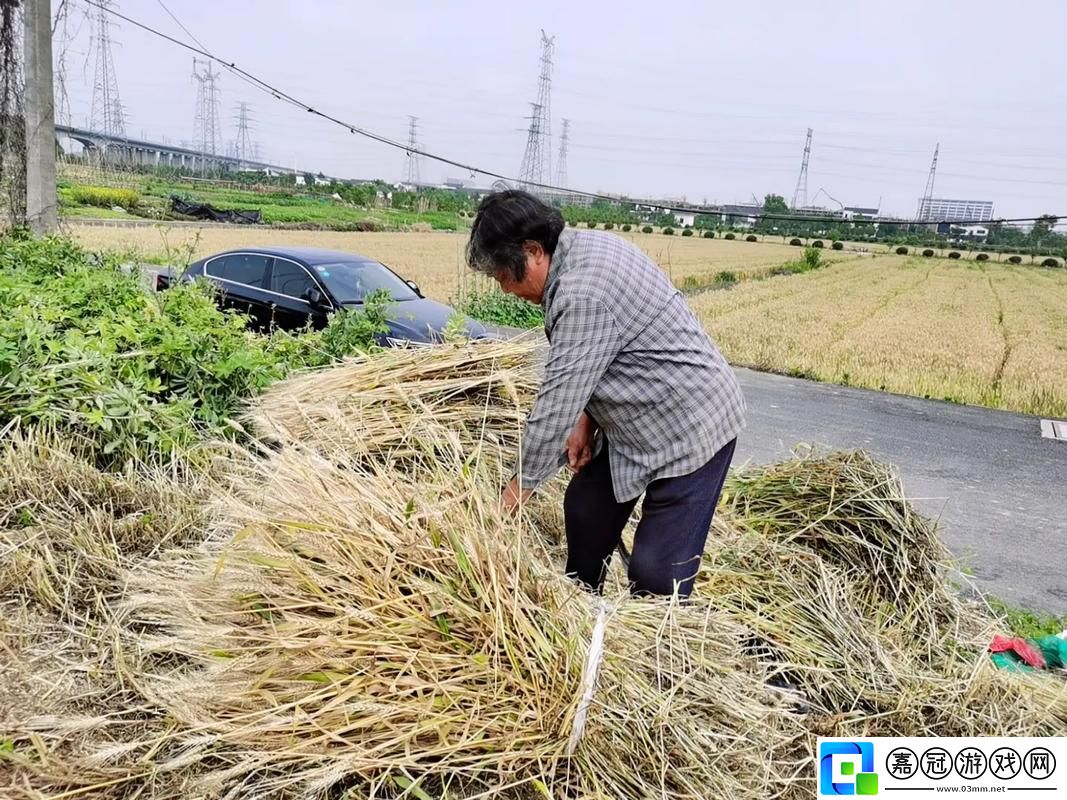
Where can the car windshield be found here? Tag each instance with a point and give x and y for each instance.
(353, 281)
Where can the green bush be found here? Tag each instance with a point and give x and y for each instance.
(1050, 262)
(928, 253)
(817, 244)
(982, 257)
(902, 251)
(837, 245)
(647, 229)
(729, 237)
(668, 231)
(104, 196)
(626, 228)
(726, 278)
(590, 225)
(751, 238)
(499, 308)
(954, 254)
(687, 232)
(86, 350)
(795, 242)
(609, 226)
(1015, 259)
(709, 234)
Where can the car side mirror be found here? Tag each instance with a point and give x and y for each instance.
(314, 296)
(414, 287)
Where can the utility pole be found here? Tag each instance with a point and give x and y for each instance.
(40, 118)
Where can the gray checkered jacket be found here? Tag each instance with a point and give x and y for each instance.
(624, 346)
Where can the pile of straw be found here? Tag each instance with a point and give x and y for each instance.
(359, 620)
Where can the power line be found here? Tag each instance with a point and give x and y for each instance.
(280, 94)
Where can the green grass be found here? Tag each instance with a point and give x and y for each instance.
(1028, 624)
(280, 207)
(498, 308)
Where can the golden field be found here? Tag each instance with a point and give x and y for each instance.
(434, 259)
(987, 334)
(993, 335)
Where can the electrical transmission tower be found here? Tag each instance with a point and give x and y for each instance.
(561, 162)
(243, 147)
(206, 128)
(537, 159)
(532, 171)
(928, 193)
(411, 157)
(105, 86)
(800, 194)
(62, 42)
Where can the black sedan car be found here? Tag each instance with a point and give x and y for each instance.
(288, 287)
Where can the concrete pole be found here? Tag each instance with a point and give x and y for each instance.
(40, 118)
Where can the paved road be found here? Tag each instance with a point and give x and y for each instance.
(998, 487)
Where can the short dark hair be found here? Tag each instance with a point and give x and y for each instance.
(504, 223)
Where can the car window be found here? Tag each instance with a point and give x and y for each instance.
(290, 279)
(352, 281)
(247, 268)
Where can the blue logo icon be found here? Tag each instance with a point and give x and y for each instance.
(845, 779)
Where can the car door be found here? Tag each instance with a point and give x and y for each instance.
(290, 283)
(242, 279)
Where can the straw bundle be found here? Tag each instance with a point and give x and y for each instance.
(360, 621)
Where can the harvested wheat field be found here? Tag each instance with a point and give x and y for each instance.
(992, 334)
(344, 613)
(434, 260)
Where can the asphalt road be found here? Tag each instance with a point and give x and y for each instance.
(997, 487)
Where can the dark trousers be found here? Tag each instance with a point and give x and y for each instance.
(675, 518)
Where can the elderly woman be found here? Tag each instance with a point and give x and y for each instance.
(635, 397)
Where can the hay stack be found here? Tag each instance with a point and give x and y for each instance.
(360, 621)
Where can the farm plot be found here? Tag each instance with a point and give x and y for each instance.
(988, 335)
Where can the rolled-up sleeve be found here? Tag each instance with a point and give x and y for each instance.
(585, 340)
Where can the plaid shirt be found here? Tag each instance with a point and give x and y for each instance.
(624, 346)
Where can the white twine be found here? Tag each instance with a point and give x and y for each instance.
(589, 673)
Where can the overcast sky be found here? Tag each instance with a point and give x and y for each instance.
(702, 100)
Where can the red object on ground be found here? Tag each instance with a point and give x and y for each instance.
(1022, 648)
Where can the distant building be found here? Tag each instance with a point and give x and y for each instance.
(970, 232)
(935, 210)
(740, 215)
(851, 212)
(685, 220)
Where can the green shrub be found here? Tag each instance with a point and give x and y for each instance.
(104, 196)
(729, 237)
(590, 225)
(902, 251)
(837, 245)
(726, 278)
(817, 244)
(1050, 262)
(609, 226)
(751, 238)
(86, 350)
(954, 254)
(982, 257)
(795, 242)
(499, 308)
(668, 231)
(647, 229)
(626, 228)
(1015, 259)
(928, 253)
(687, 232)
(709, 234)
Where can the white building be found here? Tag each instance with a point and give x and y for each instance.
(936, 210)
(685, 220)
